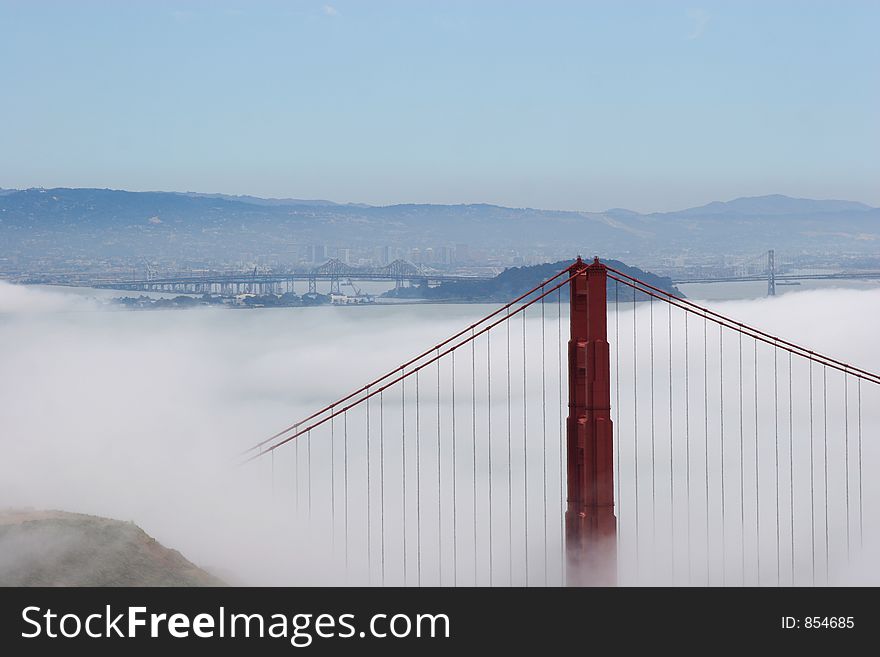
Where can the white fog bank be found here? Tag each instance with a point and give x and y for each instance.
(141, 415)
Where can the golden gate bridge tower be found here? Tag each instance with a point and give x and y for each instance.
(590, 525)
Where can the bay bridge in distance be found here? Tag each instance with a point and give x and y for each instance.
(336, 273)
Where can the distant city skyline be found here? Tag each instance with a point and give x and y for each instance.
(651, 106)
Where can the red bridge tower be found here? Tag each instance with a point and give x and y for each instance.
(590, 525)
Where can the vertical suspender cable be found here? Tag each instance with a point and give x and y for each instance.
(846, 456)
(369, 509)
(345, 483)
(418, 487)
(403, 468)
(687, 443)
(309, 463)
(544, 433)
(454, 485)
(635, 436)
(561, 439)
(812, 489)
(474, 441)
(742, 498)
(671, 454)
(757, 478)
(616, 402)
(859, 392)
(382, 486)
(791, 467)
(653, 432)
(525, 459)
(489, 443)
(721, 450)
(509, 465)
(776, 450)
(439, 484)
(825, 460)
(706, 434)
(332, 482)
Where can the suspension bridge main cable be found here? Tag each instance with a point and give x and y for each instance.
(416, 359)
(793, 350)
(755, 333)
(376, 389)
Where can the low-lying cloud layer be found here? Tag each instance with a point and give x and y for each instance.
(142, 415)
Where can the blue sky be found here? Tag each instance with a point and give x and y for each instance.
(573, 105)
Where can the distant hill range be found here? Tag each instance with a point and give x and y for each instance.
(772, 205)
(56, 548)
(86, 224)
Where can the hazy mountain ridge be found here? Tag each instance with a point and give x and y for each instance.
(88, 223)
(256, 200)
(773, 204)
